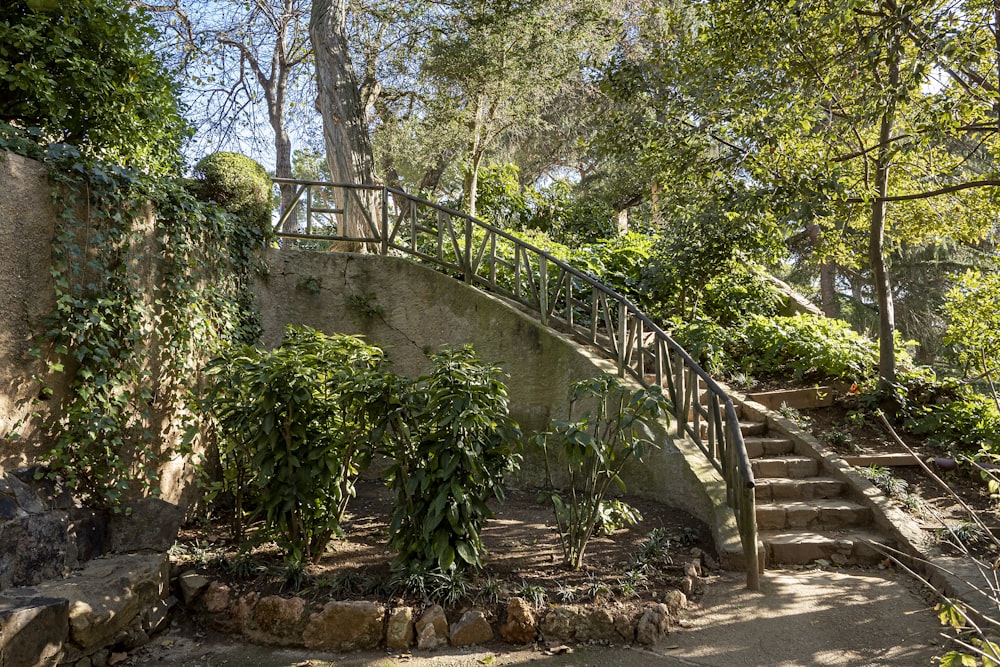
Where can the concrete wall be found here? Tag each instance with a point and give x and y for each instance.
(27, 297)
(27, 224)
(411, 311)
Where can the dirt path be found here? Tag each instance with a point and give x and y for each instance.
(801, 618)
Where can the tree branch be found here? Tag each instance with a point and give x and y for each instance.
(987, 183)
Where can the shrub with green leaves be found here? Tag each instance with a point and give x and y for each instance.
(297, 425)
(82, 72)
(804, 346)
(592, 448)
(969, 424)
(452, 444)
(238, 184)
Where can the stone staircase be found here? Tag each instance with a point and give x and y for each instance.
(805, 510)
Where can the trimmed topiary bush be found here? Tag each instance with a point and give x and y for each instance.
(239, 185)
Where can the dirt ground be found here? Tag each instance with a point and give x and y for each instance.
(524, 556)
(802, 617)
(833, 617)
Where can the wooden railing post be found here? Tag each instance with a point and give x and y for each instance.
(467, 253)
(385, 221)
(622, 337)
(543, 292)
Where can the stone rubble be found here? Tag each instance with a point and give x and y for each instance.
(79, 586)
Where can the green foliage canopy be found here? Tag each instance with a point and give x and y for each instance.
(81, 71)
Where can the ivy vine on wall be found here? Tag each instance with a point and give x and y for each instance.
(149, 283)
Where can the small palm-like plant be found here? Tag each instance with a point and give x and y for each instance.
(593, 449)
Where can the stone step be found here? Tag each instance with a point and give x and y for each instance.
(757, 446)
(772, 489)
(749, 429)
(33, 631)
(819, 514)
(801, 547)
(883, 460)
(790, 466)
(800, 399)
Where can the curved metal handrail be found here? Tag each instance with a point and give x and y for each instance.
(390, 221)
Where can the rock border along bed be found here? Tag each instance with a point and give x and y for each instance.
(351, 625)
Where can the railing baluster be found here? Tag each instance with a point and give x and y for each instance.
(467, 259)
(569, 299)
(622, 336)
(595, 310)
(385, 222)
(309, 211)
(543, 291)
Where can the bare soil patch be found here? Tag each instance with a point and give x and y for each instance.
(524, 557)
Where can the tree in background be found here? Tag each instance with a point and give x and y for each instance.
(824, 114)
(973, 310)
(82, 72)
(500, 65)
(242, 63)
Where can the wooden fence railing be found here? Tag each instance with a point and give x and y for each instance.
(392, 222)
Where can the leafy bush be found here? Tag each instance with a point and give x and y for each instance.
(593, 449)
(297, 426)
(452, 443)
(706, 341)
(803, 346)
(238, 184)
(968, 425)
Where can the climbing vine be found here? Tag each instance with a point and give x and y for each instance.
(149, 282)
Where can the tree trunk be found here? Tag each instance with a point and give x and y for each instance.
(471, 183)
(345, 132)
(827, 277)
(282, 160)
(621, 223)
(876, 239)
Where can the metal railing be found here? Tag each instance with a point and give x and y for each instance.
(392, 222)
